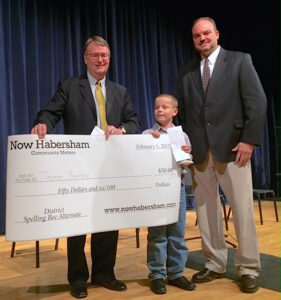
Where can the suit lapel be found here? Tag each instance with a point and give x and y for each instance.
(195, 75)
(109, 96)
(219, 74)
(86, 92)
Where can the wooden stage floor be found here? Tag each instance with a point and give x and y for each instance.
(19, 279)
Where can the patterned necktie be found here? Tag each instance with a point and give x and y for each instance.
(101, 105)
(206, 75)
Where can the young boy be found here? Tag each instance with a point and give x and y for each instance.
(166, 248)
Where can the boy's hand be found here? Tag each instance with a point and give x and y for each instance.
(186, 148)
(155, 134)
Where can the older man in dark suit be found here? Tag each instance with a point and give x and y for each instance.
(222, 107)
(84, 102)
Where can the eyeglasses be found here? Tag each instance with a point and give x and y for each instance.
(96, 56)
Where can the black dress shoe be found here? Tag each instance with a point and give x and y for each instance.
(206, 275)
(115, 285)
(182, 283)
(78, 289)
(249, 284)
(158, 286)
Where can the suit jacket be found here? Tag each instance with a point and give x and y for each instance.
(233, 110)
(74, 102)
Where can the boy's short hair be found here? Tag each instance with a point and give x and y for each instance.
(174, 101)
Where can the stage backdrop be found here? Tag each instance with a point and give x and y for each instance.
(41, 42)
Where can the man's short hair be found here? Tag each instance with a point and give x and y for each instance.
(208, 19)
(98, 40)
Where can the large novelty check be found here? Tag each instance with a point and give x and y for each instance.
(68, 185)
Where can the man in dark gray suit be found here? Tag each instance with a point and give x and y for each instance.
(222, 107)
(77, 102)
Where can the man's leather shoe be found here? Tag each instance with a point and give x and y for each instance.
(115, 285)
(158, 286)
(249, 284)
(78, 289)
(206, 275)
(182, 283)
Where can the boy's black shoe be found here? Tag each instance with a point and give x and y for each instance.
(158, 286)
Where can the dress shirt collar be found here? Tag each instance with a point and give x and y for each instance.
(212, 60)
(157, 127)
(93, 80)
(212, 57)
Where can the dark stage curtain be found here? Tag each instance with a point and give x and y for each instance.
(41, 42)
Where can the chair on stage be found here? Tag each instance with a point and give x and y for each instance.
(57, 245)
(190, 199)
(36, 250)
(260, 194)
(137, 237)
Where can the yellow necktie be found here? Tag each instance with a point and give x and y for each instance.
(101, 105)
